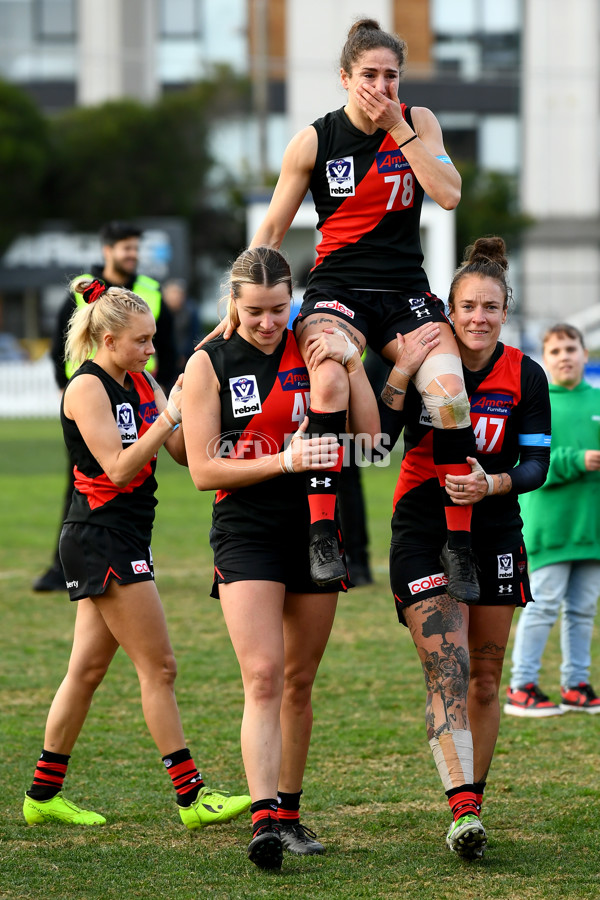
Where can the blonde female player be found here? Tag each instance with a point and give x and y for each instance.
(115, 418)
(243, 399)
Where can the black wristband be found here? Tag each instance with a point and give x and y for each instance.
(413, 138)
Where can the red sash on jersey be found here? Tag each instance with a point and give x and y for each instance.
(282, 411)
(100, 490)
(375, 196)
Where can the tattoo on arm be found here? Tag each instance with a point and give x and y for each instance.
(390, 393)
(504, 483)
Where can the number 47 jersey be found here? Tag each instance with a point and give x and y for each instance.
(264, 399)
(510, 416)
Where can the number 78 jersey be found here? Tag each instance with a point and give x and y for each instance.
(368, 203)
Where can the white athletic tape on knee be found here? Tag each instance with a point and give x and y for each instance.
(432, 369)
(453, 757)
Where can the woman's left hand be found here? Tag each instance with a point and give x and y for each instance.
(332, 343)
(414, 347)
(464, 490)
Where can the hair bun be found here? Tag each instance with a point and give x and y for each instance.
(490, 249)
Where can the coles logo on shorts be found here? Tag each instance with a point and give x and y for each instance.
(340, 175)
(427, 583)
(140, 566)
(335, 304)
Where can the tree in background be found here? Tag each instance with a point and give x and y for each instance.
(489, 205)
(24, 160)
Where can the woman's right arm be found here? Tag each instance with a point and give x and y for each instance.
(293, 183)
(87, 402)
(201, 408)
(290, 190)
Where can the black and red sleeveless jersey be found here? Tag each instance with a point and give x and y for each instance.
(510, 413)
(368, 203)
(96, 500)
(264, 398)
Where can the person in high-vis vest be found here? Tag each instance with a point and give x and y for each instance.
(120, 243)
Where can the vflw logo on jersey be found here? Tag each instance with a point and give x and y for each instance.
(245, 399)
(340, 175)
(126, 423)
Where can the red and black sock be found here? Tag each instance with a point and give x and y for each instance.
(289, 807)
(462, 801)
(49, 775)
(186, 778)
(322, 484)
(479, 788)
(263, 810)
(451, 446)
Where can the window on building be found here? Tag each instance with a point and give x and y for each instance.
(462, 17)
(180, 18)
(15, 28)
(54, 19)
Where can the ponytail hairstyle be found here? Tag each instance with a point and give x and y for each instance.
(366, 34)
(486, 258)
(106, 310)
(259, 265)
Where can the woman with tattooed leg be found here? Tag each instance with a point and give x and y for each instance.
(462, 647)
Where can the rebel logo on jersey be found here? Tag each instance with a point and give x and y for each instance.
(126, 423)
(245, 398)
(340, 175)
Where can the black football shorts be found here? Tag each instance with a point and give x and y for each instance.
(92, 556)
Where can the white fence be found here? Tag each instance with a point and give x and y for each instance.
(28, 390)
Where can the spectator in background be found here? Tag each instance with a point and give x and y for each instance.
(120, 250)
(186, 322)
(562, 533)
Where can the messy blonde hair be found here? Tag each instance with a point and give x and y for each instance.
(110, 312)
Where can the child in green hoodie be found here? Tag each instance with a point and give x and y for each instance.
(562, 535)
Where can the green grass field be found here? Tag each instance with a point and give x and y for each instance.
(371, 790)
